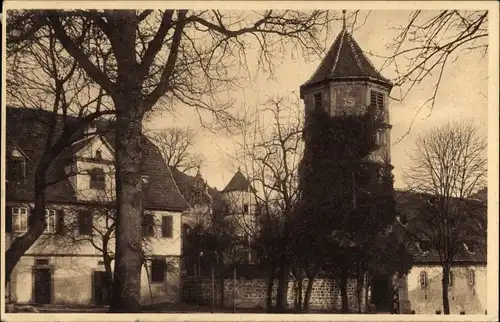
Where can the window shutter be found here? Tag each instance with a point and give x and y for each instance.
(8, 219)
(167, 226)
(60, 222)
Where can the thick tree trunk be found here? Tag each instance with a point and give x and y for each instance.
(269, 293)
(281, 294)
(446, 281)
(343, 290)
(36, 225)
(310, 283)
(128, 254)
(307, 296)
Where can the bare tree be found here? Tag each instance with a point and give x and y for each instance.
(448, 167)
(168, 56)
(431, 41)
(271, 153)
(176, 145)
(43, 78)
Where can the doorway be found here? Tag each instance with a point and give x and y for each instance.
(102, 288)
(43, 286)
(382, 293)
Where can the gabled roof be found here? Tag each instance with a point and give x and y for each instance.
(27, 128)
(345, 60)
(186, 185)
(238, 183)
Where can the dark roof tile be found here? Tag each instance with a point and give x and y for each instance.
(345, 60)
(27, 129)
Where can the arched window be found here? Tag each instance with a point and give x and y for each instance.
(472, 277)
(98, 155)
(97, 179)
(16, 166)
(423, 279)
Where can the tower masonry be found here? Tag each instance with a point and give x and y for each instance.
(346, 82)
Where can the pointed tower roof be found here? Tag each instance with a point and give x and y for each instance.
(345, 61)
(238, 183)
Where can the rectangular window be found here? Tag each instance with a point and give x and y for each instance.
(19, 219)
(472, 277)
(158, 268)
(85, 223)
(423, 279)
(381, 138)
(450, 279)
(50, 217)
(42, 262)
(318, 102)
(167, 226)
(377, 99)
(245, 208)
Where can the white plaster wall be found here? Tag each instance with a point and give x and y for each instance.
(245, 223)
(462, 296)
(72, 281)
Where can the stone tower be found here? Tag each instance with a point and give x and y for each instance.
(347, 82)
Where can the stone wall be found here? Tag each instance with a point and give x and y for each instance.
(252, 293)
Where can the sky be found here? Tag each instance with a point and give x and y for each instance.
(463, 96)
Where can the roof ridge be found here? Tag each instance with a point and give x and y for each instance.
(350, 40)
(324, 58)
(341, 36)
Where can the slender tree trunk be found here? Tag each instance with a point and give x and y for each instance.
(446, 281)
(307, 296)
(343, 289)
(129, 254)
(281, 295)
(221, 283)
(269, 293)
(310, 283)
(36, 225)
(299, 282)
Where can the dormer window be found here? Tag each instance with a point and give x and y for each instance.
(16, 167)
(98, 155)
(97, 179)
(377, 100)
(318, 102)
(424, 246)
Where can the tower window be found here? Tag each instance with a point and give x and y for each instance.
(318, 102)
(377, 99)
(97, 179)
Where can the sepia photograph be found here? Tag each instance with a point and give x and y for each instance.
(265, 159)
